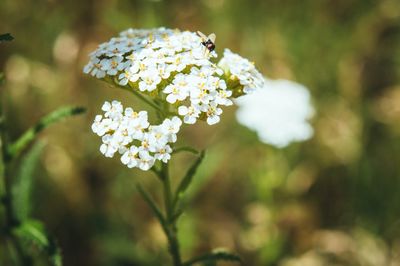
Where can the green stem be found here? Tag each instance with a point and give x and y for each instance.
(6, 194)
(5, 178)
(16, 148)
(144, 99)
(141, 97)
(171, 230)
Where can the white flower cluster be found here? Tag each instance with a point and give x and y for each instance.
(147, 57)
(169, 66)
(176, 64)
(205, 90)
(243, 70)
(279, 112)
(130, 134)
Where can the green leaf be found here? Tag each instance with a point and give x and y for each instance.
(63, 112)
(6, 37)
(149, 200)
(211, 258)
(2, 77)
(187, 179)
(33, 233)
(22, 186)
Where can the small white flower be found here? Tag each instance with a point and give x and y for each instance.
(146, 161)
(157, 137)
(164, 70)
(150, 80)
(95, 68)
(108, 148)
(163, 154)
(137, 123)
(279, 112)
(178, 91)
(98, 127)
(213, 113)
(178, 62)
(190, 113)
(113, 109)
(171, 127)
(111, 66)
(129, 75)
(201, 95)
(223, 96)
(131, 157)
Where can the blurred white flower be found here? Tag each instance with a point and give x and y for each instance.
(279, 112)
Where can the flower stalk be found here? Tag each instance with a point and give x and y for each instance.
(172, 230)
(173, 72)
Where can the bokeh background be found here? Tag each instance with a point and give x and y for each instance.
(333, 200)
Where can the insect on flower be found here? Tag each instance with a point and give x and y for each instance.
(207, 41)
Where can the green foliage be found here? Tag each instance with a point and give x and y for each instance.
(61, 113)
(6, 37)
(187, 179)
(211, 258)
(152, 204)
(23, 183)
(33, 234)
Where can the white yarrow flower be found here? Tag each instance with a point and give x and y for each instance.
(129, 134)
(243, 70)
(190, 113)
(172, 70)
(131, 157)
(146, 161)
(172, 66)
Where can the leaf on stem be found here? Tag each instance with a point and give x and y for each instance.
(22, 186)
(149, 200)
(6, 37)
(214, 257)
(34, 234)
(63, 112)
(187, 179)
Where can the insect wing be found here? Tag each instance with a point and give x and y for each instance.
(202, 35)
(212, 37)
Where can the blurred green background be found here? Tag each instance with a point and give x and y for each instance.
(333, 200)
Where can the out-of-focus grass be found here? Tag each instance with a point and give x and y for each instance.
(330, 201)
